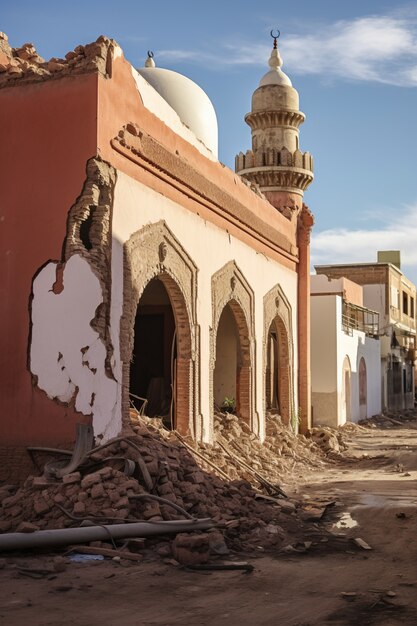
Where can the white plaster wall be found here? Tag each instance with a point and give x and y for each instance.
(135, 205)
(356, 346)
(66, 354)
(329, 347)
(323, 344)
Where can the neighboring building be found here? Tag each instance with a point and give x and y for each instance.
(136, 264)
(345, 353)
(388, 291)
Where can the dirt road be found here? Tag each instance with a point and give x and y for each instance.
(331, 583)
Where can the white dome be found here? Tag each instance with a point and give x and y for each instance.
(188, 100)
(275, 76)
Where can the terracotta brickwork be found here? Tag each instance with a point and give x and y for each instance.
(25, 65)
(89, 235)
(229, 287)
(154, 252)
(362, 274)
(277, 312)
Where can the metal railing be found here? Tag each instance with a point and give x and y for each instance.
(356, 317)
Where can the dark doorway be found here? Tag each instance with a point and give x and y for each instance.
(272, 371)
(154, 354)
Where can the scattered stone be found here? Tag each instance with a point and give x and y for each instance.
(217, 544)
(27, 527)
(191, 549)
(362, 544)
(69, 479)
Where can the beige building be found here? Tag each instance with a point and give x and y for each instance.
(387, 291)
(345, 353)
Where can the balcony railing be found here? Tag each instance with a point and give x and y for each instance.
(356, 317)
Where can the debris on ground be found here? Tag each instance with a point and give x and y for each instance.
(389, 419)
(153, 475)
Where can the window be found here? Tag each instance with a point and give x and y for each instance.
(411, 307)
(395, 297)
(405, 303)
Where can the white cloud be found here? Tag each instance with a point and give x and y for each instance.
(379, 48)
(340, 245)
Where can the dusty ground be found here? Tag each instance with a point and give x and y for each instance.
(329, 584)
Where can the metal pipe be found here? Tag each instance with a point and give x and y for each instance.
(66, 536)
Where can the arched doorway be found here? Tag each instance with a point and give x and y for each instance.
(363, 392)
(346, 391)
(152, 367)
(159, 273)
(277, 374)
(232, 368)
(161, 366)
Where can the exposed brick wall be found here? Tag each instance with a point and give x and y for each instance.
(278, 315)
(230, 288)
(154, 252)
(25, 65)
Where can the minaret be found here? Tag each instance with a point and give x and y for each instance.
(283, 173)
(275, 162)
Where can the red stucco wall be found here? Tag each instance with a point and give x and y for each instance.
(48, 131)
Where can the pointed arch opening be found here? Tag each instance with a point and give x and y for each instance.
(346, 391)
(232, 368)
(158, 345)
(160, 366)
(278, 356)
(277, 373)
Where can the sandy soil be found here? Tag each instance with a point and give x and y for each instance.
(332, 583)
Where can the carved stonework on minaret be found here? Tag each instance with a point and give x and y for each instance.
(275, 162)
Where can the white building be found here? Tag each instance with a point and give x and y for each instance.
(345, 353)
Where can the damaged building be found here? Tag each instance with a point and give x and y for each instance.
(390, 294)
(137, 269)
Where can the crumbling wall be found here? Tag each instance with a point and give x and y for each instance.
(23, 65)
(71, 356)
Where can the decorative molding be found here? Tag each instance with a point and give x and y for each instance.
(137, 145)
(274, 159)
(278, 178)
(269, 119)
(154, 252)
(229, 287)
(277, 310)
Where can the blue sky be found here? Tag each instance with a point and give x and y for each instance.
(353, 63)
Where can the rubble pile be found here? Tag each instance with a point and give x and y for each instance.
(109, 491)
(240, 454)
(25, 64)
(389, 419)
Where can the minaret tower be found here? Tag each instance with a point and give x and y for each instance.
(283, 173)
(275, 162)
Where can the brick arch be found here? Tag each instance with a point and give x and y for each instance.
(229, 287)
(154, 252)
(278, 315)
